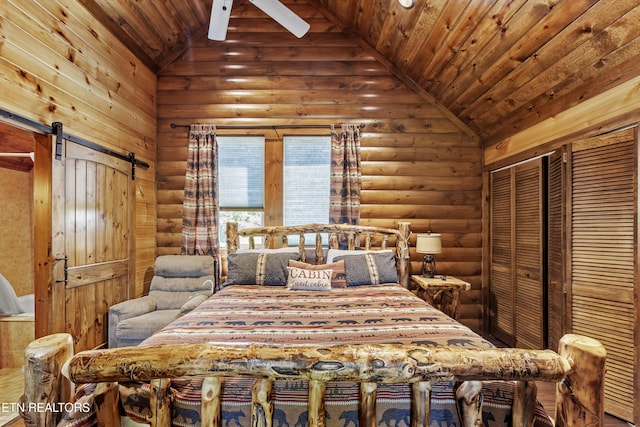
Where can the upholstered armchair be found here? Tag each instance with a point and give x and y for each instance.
(180, 283)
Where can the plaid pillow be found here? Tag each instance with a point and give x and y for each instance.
(264, 268)
(370, 268)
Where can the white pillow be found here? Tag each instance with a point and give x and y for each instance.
(333, 253)
(9, 303)
(286, 249)
(300, 279)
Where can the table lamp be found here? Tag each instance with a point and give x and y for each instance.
(429, 243)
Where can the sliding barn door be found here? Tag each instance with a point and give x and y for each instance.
(603, 253)
(517, 286)
(92, 220)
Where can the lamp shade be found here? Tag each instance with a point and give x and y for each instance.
(428, 243)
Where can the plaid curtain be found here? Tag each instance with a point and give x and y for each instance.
(344, 202)
(200, 207)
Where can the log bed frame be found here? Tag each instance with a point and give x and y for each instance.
(578, 368)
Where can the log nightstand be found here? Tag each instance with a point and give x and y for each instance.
(442, 292)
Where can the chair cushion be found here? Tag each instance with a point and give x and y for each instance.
(144, 326)
(174, 300)
(192, 303)
(184, 266)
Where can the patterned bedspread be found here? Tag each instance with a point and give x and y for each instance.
(275, 315)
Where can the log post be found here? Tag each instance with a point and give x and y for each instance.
(44, 385)
(262, 403)
(469, 400)
(301, 249)
(232, 237)
(105, 399)
(319, 251)
(420, 403)
(402, 252)
(351, 241)
(316, 417)
(210, 407)
(160, 403)
(367, 409)
(524, 404)
(580, 395)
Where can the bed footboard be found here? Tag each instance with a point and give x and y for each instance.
(578, 369)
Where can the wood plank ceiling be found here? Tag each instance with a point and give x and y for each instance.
(499, 65)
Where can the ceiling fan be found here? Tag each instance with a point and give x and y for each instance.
(221, 11)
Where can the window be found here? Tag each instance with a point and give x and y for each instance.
(247, 197)
(307, 169)
(241, 182)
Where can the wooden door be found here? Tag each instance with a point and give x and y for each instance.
(502, 296)
(603, 259)
(529, 279)
(517, 235)
(556, 249)
(92, 218)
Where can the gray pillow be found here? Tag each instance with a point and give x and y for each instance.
(370, 268)
(265, 268)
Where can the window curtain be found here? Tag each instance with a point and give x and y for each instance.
(344, 202)
(200, 207)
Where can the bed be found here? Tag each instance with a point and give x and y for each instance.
(289, 343)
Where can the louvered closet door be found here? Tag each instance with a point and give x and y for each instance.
(502, 302)
(556, 244)
(517, 282)
(603, 258)
(529, 232)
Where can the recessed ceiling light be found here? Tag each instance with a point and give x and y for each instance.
(407, 4)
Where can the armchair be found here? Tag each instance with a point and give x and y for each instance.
(180, 283)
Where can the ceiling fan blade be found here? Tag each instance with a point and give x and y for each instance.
(283, 16)
(220, 13)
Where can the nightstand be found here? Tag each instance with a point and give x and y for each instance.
(442, 292)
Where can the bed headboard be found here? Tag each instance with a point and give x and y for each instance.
(354, 236)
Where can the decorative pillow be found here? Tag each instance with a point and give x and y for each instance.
(263, 268)
(338, 275)
(301, 279)
(333, 254)
(372, 268)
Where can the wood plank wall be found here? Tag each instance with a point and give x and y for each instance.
(16, 252)
(419, 163)
(57, 63)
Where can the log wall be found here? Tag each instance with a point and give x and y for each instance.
(57, 63)
(420, 164)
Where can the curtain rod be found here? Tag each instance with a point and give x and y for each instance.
(253, 127)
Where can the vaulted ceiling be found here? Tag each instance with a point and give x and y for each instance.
(499, 65)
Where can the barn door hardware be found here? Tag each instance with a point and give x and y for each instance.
(129, 157)
(132, 159)
(66, 270)
(56, 129)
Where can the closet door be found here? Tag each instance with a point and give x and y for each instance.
(603, 269)
(529, 238)
(556, 249)
(502, 295)
(517, 285)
